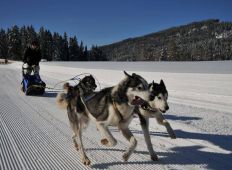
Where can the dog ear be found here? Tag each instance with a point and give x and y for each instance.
(134, 75)
(128, 75)
(151, 84)
(154, 85)
(162, 83)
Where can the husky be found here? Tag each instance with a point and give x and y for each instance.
(70, 100)
(112, 106)
(154, 108)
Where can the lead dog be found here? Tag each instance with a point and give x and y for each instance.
(111, 106)
(154, 108)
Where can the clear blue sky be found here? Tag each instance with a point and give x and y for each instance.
(101, 22)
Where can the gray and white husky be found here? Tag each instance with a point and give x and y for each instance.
(154, 108)
(112, 106)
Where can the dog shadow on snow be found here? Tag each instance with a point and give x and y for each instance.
(182, 118)
(187, 155)
(50, 94)
(183, 155)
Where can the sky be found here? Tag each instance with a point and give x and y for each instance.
(101, 22)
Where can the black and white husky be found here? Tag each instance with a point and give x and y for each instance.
(154, 108)
(112, 106)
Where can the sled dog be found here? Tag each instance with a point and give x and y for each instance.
(154, 108)
(71, 101)
(112, 106)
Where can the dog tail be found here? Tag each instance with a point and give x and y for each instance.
(61, 97)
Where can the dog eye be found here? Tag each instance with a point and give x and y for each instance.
(159, 97)
(139, 88)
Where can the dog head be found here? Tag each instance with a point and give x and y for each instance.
(159, 96)
(136, 89)
(88, 84)
(70, 91)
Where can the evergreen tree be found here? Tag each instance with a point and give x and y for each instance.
(14, 38)
(65, 53)
(57, 47)
(81, 52)
(46, 44)
(86, 53)
(49, 42)
(73, 49)
(24, 39)
(3, 44)
(31, 33)
(42, 41)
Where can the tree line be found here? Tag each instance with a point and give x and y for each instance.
(198, 41)
(54, 47)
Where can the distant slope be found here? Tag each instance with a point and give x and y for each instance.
(205, 40)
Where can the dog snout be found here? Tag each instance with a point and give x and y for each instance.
(167, 107)
(151, 97)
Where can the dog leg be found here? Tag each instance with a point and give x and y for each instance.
(73, 121)
(133, 142)
(74, 141)
(145, 124)
(160, 119)
(84, 158)
(110, 140)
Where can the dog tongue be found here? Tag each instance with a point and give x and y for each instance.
(138, 101)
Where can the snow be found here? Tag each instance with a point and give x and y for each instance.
(35, 134)
(225, 34)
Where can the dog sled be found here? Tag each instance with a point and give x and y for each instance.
(32, 84)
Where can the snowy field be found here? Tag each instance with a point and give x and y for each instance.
(35, 134)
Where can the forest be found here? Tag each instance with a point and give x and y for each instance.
(198, 41)
(54, 47)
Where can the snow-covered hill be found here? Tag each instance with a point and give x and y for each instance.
(35, 134)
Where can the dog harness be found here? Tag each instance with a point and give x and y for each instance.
(120, 117)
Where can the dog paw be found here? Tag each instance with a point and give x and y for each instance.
(154, 157)
(125, 157)
(104, 142)
(107, 143)
(86, 161)
(173, 136)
